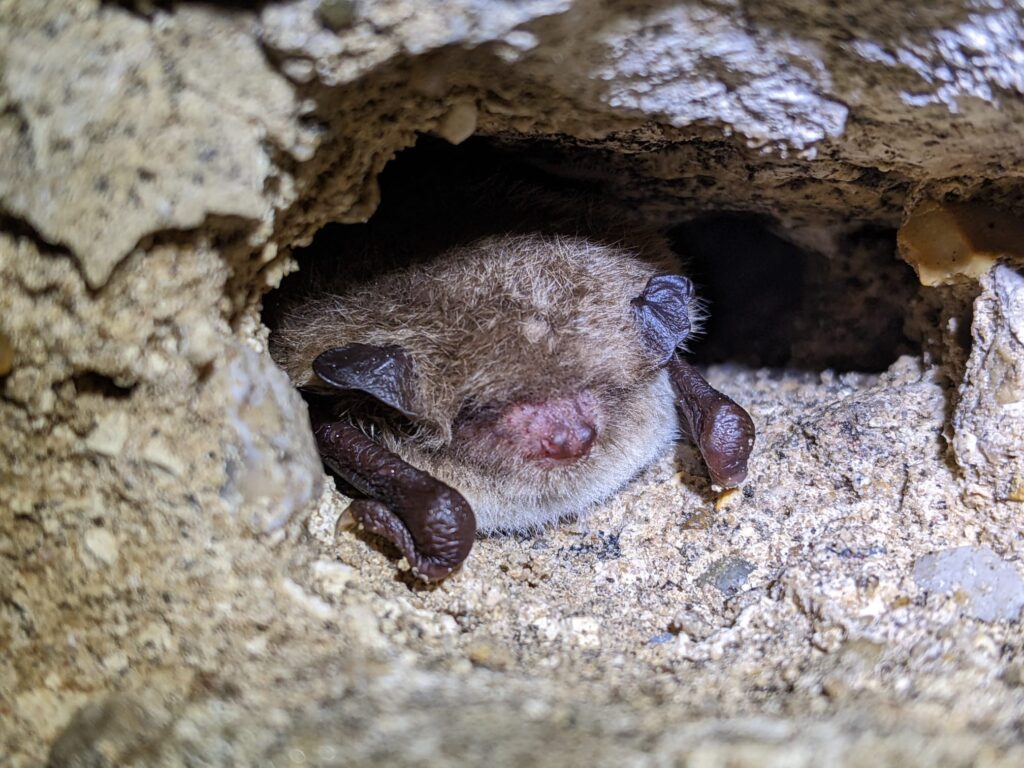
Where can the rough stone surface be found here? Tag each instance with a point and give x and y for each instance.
(114, 129)
(273, 468)
(988, 424)
(989, 588)
(168, 597)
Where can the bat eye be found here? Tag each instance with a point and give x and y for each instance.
(662, 313)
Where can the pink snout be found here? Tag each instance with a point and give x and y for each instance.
(557, 430)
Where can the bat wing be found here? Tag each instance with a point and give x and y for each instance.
(386, 373)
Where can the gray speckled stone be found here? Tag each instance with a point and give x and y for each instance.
(273, 466)
(993, 588)
(989, 418)
(727, 576)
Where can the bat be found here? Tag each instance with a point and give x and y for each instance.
(501, 384)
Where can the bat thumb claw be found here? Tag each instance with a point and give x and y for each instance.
(346, 520)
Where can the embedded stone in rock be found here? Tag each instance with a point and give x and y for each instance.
(727, 576)
(337, 15)
(111, 731)
(992, 587)
(989, 419)
(273, 467)
(101, 544)
(458, 123)
(944, 241)
(110, 434)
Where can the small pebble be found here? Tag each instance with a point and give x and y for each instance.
(728, 575)
(299, 70)
(337, 15)
(459, 123)
(486, 654)
(109, 435)
(102, 545)
(727, 499)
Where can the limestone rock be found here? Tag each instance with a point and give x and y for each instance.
(159, 165)
(944, 242)
(989, 588)
(273, 467)
(988, 424)
(103, 138)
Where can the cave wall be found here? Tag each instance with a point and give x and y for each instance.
(170, 591)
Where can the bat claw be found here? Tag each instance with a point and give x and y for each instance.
(431, 524)
(346, 520)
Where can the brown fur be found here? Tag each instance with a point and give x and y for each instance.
(503, 319)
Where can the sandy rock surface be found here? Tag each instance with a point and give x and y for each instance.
(989, 421)
(172, 590)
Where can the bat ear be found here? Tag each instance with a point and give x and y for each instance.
(663, 313)
(384, 373)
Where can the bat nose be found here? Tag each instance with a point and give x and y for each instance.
(552, 431)
(568, 440)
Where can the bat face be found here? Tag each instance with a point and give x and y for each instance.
(532, 463)
(556, 431)
(532, 374)
(529, 382)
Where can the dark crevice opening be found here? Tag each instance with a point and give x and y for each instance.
(773, 304)
(98, 384)
(770, 303)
